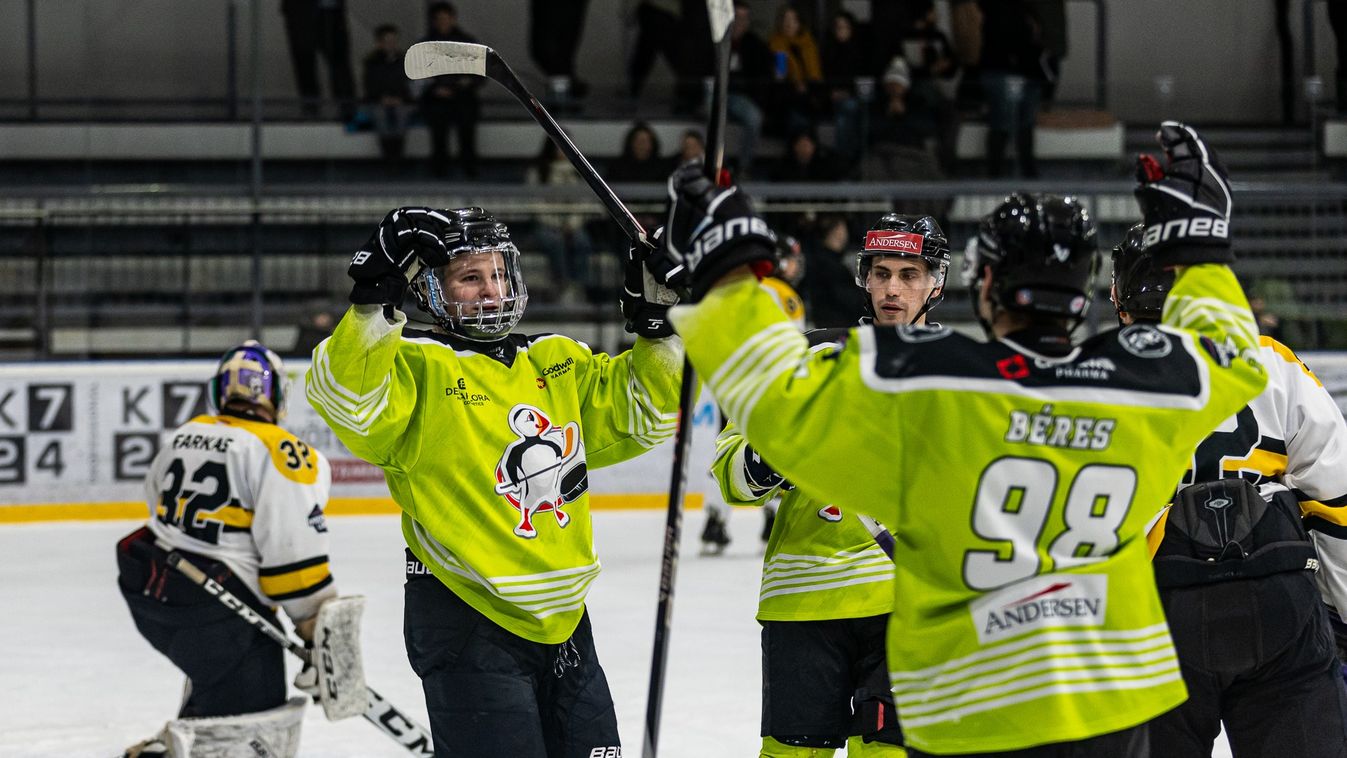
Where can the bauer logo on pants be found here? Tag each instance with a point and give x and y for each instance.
(542, 470)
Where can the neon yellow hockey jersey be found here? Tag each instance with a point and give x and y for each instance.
(487, 453)
(1017, 486)
(821, 562)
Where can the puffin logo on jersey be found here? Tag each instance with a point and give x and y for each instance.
(1051, 600)
(542, 470)
(1145, 341)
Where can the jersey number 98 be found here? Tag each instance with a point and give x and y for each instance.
(1012, 505)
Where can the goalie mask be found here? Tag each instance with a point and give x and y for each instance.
(918, 238)
(249, 373)
(1042, 255)
(478, 293)
(1139, 286)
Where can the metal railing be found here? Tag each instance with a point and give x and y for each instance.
(99, 272)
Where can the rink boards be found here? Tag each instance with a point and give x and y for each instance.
(77, 438)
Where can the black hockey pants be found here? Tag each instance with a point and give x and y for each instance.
(233, 668)
(492, 693)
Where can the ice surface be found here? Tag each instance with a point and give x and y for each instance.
(76, 679)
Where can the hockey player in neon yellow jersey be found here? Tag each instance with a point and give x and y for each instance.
(827, 585)
(486, 438)
(1017, 475)
(1248, 623)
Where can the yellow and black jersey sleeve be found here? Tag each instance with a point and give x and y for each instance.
(295, 580)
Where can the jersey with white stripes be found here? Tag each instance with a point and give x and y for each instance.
(250, 494)
(1293, 434)
(1017, 486)
(486, 448)
(821, 562)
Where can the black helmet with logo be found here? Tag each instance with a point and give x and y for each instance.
(1139, 285)
(896, 235)
(474, 232)
(1042, 255)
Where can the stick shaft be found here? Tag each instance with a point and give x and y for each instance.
(378, 711)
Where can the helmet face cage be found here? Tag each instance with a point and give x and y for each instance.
(473, 319)
(473, 232)
(1042, 254)
(1139, 285)
(252, 374)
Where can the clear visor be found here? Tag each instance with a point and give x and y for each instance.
(898, 273)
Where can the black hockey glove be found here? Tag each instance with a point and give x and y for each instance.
(1185, 203)
(645, 302)
(761, 478)
(406, 236)
(710, 231)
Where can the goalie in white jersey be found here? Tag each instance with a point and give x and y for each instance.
(1251, 633)
(242, 499)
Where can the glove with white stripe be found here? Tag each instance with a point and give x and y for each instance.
(405, 237)
(1185, 203)
(710, 231)
(645, 302)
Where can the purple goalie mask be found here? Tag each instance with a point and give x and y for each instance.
(250, 373)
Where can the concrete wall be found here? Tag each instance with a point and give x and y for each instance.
(1221, 54)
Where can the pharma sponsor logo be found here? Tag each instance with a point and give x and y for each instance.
(1044, 602)
(1094, 369)
(558, 369)
(899, 243)
(1145, 341)
(460, 390)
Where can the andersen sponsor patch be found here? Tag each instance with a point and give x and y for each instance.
(1053, 600)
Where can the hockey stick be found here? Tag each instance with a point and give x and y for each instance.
(427, 59)
(721, 13)
(883, 537)
(379, 712)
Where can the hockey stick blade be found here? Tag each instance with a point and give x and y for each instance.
(426, 59)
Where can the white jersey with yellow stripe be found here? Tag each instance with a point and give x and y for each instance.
(1294, 434)
(249, 494)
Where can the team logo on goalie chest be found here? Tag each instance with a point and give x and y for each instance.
(542, 470)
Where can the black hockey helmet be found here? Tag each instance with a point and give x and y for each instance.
(1139, 285)
(473, 231)
(789, 260)
(908, 237)
(1042, 254)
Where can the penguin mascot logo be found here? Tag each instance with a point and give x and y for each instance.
(542, 470)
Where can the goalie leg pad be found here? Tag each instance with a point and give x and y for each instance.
(336, 656)
(268, 734)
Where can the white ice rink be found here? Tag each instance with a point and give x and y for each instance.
(77, 680)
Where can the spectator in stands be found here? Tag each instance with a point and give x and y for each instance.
(902, 125)
(1051, 17)
(314, 27)
(387, 92)
(830, 292)
(1012, 81)
(561, 236)
(806, 160)
(658, 33)
(799, 74)
(1337, 21)
(845, 59)
(555, 27)
(930, 58)
(750, 80)
(451, 101)
(691, 147)
(640, 160)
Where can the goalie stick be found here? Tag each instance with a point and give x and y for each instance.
(378, 711)
(720, 13)
(426, 59)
